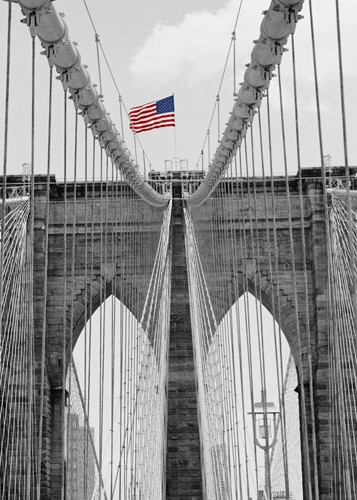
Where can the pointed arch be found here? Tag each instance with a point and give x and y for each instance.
(276, 299)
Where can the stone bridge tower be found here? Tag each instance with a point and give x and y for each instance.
(229, 213)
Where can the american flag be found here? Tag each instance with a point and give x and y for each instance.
(152, 115)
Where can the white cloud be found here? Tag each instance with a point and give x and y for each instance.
(192, 50)
(195, 49)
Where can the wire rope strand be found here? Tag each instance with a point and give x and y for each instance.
(276, 266)
(234, 38)
(121, 117)
(218, 118)
(237, 471)
(242, 251)
(64, 299)
(303, 240)
(247, 313)
(31, 236)
(101, 321)
(5, 153)
(114, 200)
(45, 270)
(86, 309)
(92, 285)
(69, 347)
(259, 318)
(296, 305)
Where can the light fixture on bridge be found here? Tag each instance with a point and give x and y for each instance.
(266, 424)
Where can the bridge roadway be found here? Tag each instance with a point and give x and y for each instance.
(130, 227)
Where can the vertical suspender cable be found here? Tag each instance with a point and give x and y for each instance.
(270, 267)
(135, 148)
(64, 305)
(127, 348)
(243, 251)
(247, 313)
(121, 341)
(92, 281)
(3, 208)
(218, 118)
(131, 353)
(144, 165)
(319, 126)
(296, 304)
(231, 369)
(101, 322)
(307, 313)
(6, 133)
(136, 353)
(258, 306)
(69, 349)
(32, 235)
(277, 281)
(234, 38)
(234, 198)
(121, 116)
(106, 277)
(208, 146)
(118, 315)
(44, 314)
(114, 233)
(85, 361)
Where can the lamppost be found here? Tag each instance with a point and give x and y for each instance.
(266, 425)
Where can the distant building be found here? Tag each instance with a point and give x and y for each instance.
(81, 471)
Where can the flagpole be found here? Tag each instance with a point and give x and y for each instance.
(175, 138)
(175, 142)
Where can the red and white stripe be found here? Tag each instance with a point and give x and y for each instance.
(144, 118)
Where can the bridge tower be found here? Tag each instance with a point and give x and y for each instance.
(184, 461)
(183, 441)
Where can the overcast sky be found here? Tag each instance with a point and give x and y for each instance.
(164, 47)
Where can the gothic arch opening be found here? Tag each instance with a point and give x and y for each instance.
(113, 384)
(98, 293)
(253, 373)
(275, 370)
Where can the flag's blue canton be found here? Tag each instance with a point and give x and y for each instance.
(165, 105)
